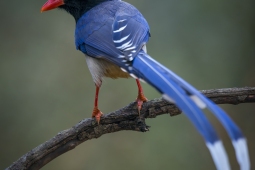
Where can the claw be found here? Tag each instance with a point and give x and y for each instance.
(140, 99)
(97, 114)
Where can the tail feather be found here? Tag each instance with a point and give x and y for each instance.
(188, 99)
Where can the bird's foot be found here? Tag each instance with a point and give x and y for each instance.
(140, 99)
(97, 114)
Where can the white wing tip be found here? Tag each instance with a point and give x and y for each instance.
(142, 80)
(242, 153)
(219, 155)
(124, 70)
(132, 75)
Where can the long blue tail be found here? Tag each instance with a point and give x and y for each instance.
(191, 102)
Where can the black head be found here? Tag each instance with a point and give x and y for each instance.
(75, 7)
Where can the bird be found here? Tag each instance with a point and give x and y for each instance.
(113, 35)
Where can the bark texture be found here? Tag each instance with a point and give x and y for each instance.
(123, 119)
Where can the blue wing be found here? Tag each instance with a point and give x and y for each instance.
(112, 36)
(118, 35)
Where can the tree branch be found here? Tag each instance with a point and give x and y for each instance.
(123, 119)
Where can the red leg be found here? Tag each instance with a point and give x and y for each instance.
(96, 112)
(140, 98)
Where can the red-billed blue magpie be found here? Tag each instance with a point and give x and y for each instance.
(113, 36)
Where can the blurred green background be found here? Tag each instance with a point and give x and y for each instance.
(45, 85)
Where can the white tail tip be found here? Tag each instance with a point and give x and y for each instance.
(219, 155)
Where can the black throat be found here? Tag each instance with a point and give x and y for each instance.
(78, 7)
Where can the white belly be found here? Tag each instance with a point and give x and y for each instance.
(102, 68)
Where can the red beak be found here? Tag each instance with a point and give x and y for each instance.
(51, 4)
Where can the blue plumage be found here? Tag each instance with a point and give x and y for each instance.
(113, 35)
(118, 36)
(95, 35)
